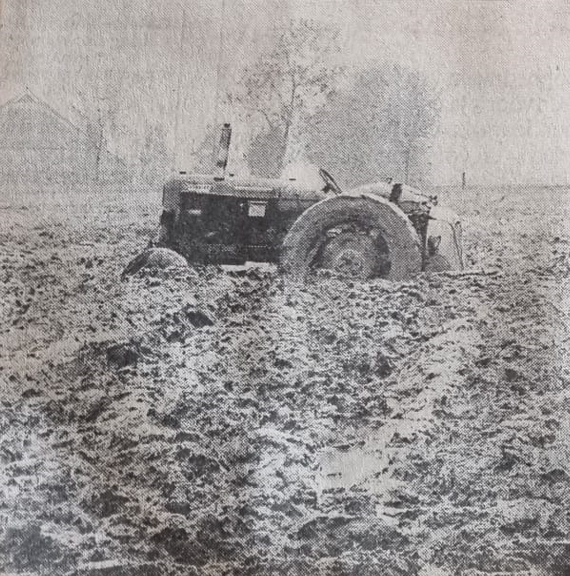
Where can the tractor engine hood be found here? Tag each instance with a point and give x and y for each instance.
(247, 188)
(396, 192)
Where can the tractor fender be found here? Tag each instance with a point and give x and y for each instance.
(445, 225)
(309, 229)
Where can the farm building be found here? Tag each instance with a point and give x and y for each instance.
(37, 144)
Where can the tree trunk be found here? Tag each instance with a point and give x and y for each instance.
(287, 144)
(287, 156)
(407, 162)
(98, 153)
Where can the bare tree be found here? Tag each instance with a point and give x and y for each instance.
(413, 112)
(202, 155)
(379, 127)
(154, 157)
(286, 86)
(100, 97)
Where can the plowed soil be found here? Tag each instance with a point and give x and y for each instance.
(223, 422)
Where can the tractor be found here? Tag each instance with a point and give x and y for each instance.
(382, 230)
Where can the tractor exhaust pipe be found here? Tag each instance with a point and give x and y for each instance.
(223, 151)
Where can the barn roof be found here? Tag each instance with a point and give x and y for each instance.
(25, 98)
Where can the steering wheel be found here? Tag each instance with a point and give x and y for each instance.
(330, 182)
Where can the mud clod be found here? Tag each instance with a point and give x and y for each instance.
(122, 355)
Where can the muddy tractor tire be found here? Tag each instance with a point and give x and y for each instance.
(361, 236)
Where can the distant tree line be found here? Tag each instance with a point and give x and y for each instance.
(296, 103)
(302, 105)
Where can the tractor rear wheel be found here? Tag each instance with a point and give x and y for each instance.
(360, 236)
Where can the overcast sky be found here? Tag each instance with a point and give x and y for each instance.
(502, 66)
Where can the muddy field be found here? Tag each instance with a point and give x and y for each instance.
(223, 423)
